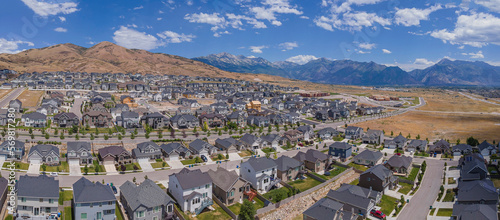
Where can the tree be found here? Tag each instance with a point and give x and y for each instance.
(106, 137)
(96, 131)
(132, 136)
(146, 177)
(220, 133)
(314, 125)
(247, 211)
(160, 134)
(220, 157)
(269, 129)
(472, 141)
(47, 136)
(418, 137)
(120, 136)
(92, 137)
(194, 130)
(458, 141)
(86, 169)
(146, 135)
(62, 136)
(31, 130)
(32, 136)
(227, 156)
(392, 133)
(134, 179)
(409, 136)
(198, 160)
(97, 168)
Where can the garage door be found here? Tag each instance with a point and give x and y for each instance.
(173, 157)
(74, 162)
(35, 161)
(108, 162)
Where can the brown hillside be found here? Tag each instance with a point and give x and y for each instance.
(109, 57)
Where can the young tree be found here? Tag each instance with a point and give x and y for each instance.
(247, 211)
(134, 179)
(47, 136)
(472, 141)
(62, 136)
(86, 169)
(92, 137)
(132, 136)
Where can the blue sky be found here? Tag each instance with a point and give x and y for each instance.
(410, 34)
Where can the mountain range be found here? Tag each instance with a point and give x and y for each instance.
(444, 73)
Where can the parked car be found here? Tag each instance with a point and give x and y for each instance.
(114, 189)
(53, 174)
(377, 213)
(204, 158)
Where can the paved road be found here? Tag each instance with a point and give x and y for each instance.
(428, 191)
(478, 99)
(12, 95)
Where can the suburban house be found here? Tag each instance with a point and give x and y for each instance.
(293, 136)
(228, 187)
(327, 133)
(353, 133)
(307, 132)
(398, 142)
(114, 155)
(314, 160)
(378, 178)
(66, 119)
(368, 158)
(461, 149)
(356, 199)
(129, 120)
(416, 145)
(473, 168)
(270, 140)
(147, 150)
(289, 168)
(199, 147)
(32, 201)
(172, 151)
(260, 172)
(128, 101)
(184, 121)
(373, 137)
(342, 150)
(192, 189)
(440, 147)
(155, 120)
(250, 142)
(212, 120)
(93, 200)
(44, 154)
(17, 148)
(399, 164)
(474, 211)
(146, 201)
(34, 119)
(97, 119)
(79, 152)
(327, 208)
(477, 192)
(16, 105)
(487, 149)
(227, 145)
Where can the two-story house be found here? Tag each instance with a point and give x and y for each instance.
(146, 201)
(34, 119)
(37, 196)
(399, 164)
(155, 120)
(314, 160)
(368, 158)
(44, 154)
(66, 119)
(147, 150)
(289, 168)
(260, 172)
(97, 119)
(356, 199)
(79, 152)
(353, 132)
(115, 155)
(184, 121)
(16, 105)
(250, 142)
(172, 151)
(129, 119)
(228, 187)
(93, 200)
(342, 150)
(12, 149)
(378, 178)
(192, 189)
(373, 137)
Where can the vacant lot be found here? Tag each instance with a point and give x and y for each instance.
(436, 126)
(4, 92)
(30, 98)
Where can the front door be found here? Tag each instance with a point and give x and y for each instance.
(36, 211)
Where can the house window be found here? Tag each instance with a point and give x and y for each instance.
(83, 216)
(157, 209)
(99, 215)
(207, 186)
(41, 200)
(108, 212)
(139, 214)
(170, 208)
(111, 203)
(23, 199)
(51, 201)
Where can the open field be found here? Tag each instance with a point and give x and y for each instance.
(436, 126)
(30, 98)
(4, 92)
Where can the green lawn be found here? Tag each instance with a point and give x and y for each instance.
(66, 195)
(357, 166)
(412, 175)
(444, 212)
(432, 211)
(449, 197)
(387, 204)
(451, 180)
(118, 213)
(68, 213)
(324, 151)
(159, 165)
(9, 217)
(130, 166)
(274, 195)
(64, 167)
(354, 182)
(92, 169)
(268, 150)
(304, 184)
(218, 214)
(422, 154)
(188, 161)
(405, 188)
(235, 208)
(19, 165)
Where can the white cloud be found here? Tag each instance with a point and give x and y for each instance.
(271, 8)
(346, 5)
(45, 8)
(212, 19)
(7, 46)
(288, 46)
(60, 29)
(362, 52)
(172, 37)
(478, 55)
(366, 46)
(419, 63)
(324, 22)
(159, 19)
(130, 38)
(413, 16)
(236, 21)
(189, 2)
(160, 12)
(139, 7)
(351, 21)
(301, 59)
(477, 30)
(304, 17)
(493, 5)
(386, 51)
(257, 49)
(62, 19)
(423, 61)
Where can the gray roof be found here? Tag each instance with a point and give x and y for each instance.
(35, 116)
(144, 145)
(311, 155)
(327, 130)
(400, 161)
(462, 147)
(147, 194)
(38, 187)
(198, 145)
(112, 150)
(340, 145)
(285, 163)
(354, 195)
(475, 211)
(400, 139)
(477, 190)
(129, 114)
(324, 209)
(44, 149)
(3, 185)
(77, 145)
(249, 138)
(226, 143)
(369, 155)
(270, 137)
(417, 143)
(85, 191)
(168, 148)
(261, 163)
(380, 171)
(223, 178)
(192, 178)
(484, 145)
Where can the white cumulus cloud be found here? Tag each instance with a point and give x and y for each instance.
(138, 7)
(288, 46)
(46, 8)
(352, 21)
(413, 16)
(423, 61)
(130, 38)
(478, 55)
(257, 49)
(60, 29)
(172, 37)
(366, 46)
(62, 19)
(386, 51)
(301, 59)
(493, 5)
(272, 7)
(7, 46)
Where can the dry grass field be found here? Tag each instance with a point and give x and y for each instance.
(30, 98)
(442, 125)
(4, 92)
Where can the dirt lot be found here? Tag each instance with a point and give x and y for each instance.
(4, 92)
(437, 126)
(30, 98)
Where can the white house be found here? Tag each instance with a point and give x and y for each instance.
(260, 172)
(192, 189)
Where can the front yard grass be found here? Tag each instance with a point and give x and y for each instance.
(387, 204)
(304, 184)
(405, 188)
(357, 166)
(450, 196)
(268, 150)
(354, 182)
(413, 174)
(451, 180)
(64, 167)
(19, 165)
(92, 168)
(245, 153)
(432, 211)
(188, 161)
(444, 212)
(159, 165)
(118, 213)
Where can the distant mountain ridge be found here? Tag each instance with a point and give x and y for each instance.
(444, 73)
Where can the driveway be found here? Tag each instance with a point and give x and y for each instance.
(110, 169)
(145, 165)
(76, 107)
(34, 167)
(175, 164)
(234, 156)
(74, 168)
(427, 193)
